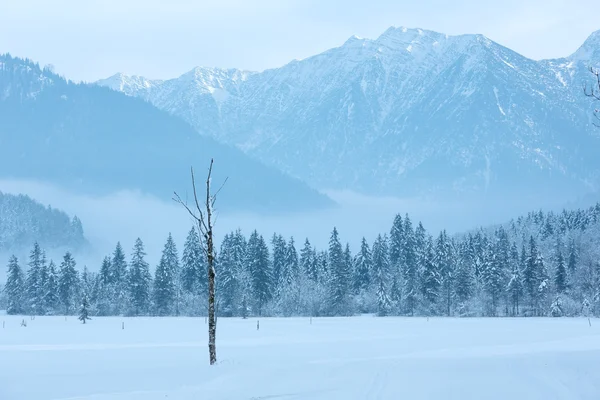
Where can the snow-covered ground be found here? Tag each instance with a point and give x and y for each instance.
(338, 358)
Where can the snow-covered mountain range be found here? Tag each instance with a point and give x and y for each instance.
(92, 140)
(413, 111)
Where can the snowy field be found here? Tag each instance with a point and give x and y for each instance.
(338, 358)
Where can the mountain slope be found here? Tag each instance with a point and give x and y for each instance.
(412, 112)
(97, 140)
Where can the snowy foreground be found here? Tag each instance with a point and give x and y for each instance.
(338, 358)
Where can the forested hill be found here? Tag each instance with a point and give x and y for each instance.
(24, 221)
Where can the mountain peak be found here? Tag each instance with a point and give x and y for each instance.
(590, 49)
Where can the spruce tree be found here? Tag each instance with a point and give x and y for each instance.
(165, 280)
(431, 278)
(193, 265)
(84, 310)
(15, 288)
(515, 283)
(118, 280)
(572, 262)
(233, 286)
(51, 298)
(445, 267)
(397, 242)
(362, 268)
(560, 277)
(68, 283)
(464, 274)
(278, 243)
(139, 281)
(414, 263)
(381, 275)
(308, 261)
(339, 277)
(34, 281)
(259, 268)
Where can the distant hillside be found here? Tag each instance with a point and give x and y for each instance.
(96, 140)
(24, 221)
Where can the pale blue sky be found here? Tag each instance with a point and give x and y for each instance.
(93, 39)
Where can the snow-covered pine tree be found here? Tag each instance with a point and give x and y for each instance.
(308, 262)
(34, 283)
(68, 282)
(572, 262)
(515, 283)
(51, 298)
(362, 268)
(560, 274)
(42, 283)
(339, 277)
(15, 288)
(543, 284)
(232, 291)
(288, 290)
(84, 310)
(105, 304)
(493, 272)
(530, 276)
(193, 265)
(397, 243)
(431, 278)
(381, 275)
(445, 266)
(464, 275)
(139, 281)
(414, 258)
(165, 280)
(118, 280)
(278, 243)
(259, 268)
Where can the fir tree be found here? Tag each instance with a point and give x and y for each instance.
(139, 280)
(260, 271)
(339, 277)
(464, 274)
(445, 267)
(118, 280)
(362, 268)
(193, 265)
(67, 283)
(165, 281)
(572, 262)
(15, 288)
(515, 283)
(84, 310)
(34, 280)
(51, 298)
(278, 243)
(431, 279)
(381, 275)
(308, 261)
(560, 277)
(397, 242)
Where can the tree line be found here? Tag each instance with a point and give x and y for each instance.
(540, 264)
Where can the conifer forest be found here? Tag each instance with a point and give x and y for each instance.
(540, 264)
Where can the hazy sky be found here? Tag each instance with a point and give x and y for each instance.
(92, 39)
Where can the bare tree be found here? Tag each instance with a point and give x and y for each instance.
(594, 90)
(203, 217)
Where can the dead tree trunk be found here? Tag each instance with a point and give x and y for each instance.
(203, 217)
